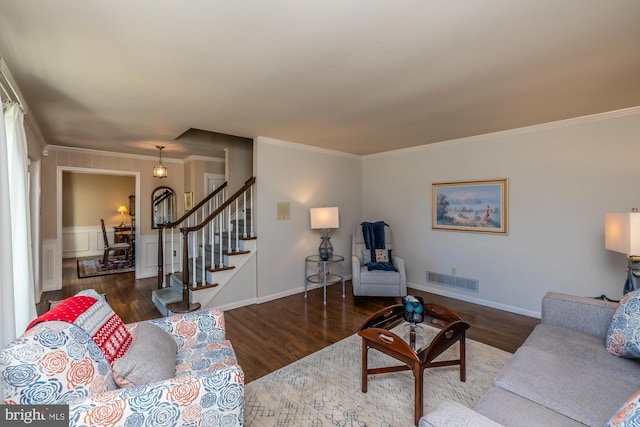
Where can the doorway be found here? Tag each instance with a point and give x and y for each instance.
(212, 181)
(60, 243)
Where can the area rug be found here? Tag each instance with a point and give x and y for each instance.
(93, 267)
(324, 388)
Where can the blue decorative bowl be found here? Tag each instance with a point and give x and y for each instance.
(413, 309)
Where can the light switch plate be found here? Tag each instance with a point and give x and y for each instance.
(284, 211)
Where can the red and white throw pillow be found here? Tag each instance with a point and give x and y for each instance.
(96, 318)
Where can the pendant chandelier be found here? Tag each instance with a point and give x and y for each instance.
(160, 170)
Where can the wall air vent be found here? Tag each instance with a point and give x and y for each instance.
(455, 282)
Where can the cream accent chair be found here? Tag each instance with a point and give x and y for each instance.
(376, 282)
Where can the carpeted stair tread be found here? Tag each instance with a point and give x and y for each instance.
(163, 297)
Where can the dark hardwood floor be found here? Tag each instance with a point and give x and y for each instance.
(271, 335)
(128, 297)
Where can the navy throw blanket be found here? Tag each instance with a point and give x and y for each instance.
(373, 233)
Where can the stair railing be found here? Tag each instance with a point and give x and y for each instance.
(227, 213)
(202, 209)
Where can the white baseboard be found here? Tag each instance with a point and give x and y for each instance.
(237, 304)
(479, 301)
(299, 290)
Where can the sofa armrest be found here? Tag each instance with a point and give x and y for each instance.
(398, 263)
(206, 397)
(198, 327)
(582, 314)
(453, 414)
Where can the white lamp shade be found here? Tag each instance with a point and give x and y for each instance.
(622, 232)
(324, 218)
(122, 209)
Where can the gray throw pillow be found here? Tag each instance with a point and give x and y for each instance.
(151, 358)
(366, 256)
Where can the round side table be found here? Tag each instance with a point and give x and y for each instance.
(324, 274)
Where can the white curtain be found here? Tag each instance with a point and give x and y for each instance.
(16, 265)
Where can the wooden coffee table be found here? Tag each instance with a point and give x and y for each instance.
(376, 333)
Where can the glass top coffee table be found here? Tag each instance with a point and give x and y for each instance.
(415, 345)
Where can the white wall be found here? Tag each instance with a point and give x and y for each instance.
(305, 177)
(563, 178)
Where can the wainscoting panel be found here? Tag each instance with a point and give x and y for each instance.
(79, 242)
(148, 261)
(51, 271)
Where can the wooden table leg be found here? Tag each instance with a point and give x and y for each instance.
(418, 373)
(463, 359)
(364, 365)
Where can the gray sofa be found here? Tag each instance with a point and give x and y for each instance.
(561, 376)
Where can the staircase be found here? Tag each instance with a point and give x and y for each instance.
(217, 239)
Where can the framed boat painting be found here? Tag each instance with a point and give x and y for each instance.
(475, 206)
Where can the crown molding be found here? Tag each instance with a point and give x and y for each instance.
(127, 155)
(204, 158)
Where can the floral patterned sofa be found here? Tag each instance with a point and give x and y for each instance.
(57, 362)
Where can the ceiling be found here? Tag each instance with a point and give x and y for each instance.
(359, 76)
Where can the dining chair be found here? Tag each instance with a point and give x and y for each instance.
(108, 247)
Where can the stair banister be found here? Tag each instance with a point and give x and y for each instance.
(185, 216)
(220, 221)
(160, 258)
(221, 208)
(198, 206)
(251, 233)
(237, 233)
(185, 305)
(229, 228)
(221, 215)
(244, 216)
(171, 251)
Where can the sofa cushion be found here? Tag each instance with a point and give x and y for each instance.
(584, 349)
(629, 414)
(379, 277)
(453, 414)
(565, 385)
(623, 336)
(137, 366)
(510, 409)
(582, 314)
(205, 357)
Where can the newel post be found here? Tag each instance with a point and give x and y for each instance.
(185, 266)
(160, 257)
(185, 305)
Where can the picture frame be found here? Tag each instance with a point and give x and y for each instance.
(188, 200)
(479, 206)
